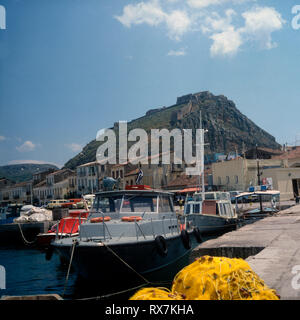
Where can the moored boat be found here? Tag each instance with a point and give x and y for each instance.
(211, 212)
(132, 231)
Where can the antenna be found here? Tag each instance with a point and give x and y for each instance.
(202, 157)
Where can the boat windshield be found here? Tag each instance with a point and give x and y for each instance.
(139, 204)
(127, 203)
(108, 204)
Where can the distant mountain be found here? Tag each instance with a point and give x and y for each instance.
(228, 129)
(23, 172)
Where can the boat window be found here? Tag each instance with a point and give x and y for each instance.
(197, 208)
(221, 209)
(229, 211)
(187, 209)
(165, 204)
(209, 196)
(108, 204)
(197, 197)
(139, 204)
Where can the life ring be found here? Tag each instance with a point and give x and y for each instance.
(135, 218)
(131, 218)
(161, 245)
(197, 234)
(100, 219)
(185, 239)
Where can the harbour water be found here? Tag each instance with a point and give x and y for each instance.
(29, 273)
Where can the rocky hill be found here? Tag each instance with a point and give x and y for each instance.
(23, 172)
(228, 129)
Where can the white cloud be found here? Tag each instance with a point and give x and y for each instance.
(260, 23)
(226, 39)
(26, 146)
(149, 13)
(177, 22)
(215, 23)
(229, 31)
(2, 138)
(200, 4)
(226, 43)
(180, 52)
(75, 147)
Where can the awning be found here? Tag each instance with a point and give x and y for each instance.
(186, 190)
(244, 194)
(268, 193)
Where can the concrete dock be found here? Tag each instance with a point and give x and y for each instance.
(271, 246)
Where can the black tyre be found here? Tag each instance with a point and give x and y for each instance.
(197, 235)
(185, 239)
(161, 245)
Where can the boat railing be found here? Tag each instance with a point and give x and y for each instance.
(136, 230)
(163, 225)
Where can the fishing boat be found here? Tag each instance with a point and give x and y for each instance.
(135, 230)
(269, 204)
(211, 212)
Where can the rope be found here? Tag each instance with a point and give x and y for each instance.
(147, 282)
(25, 241)
(70, 263)
(124, 291)
(113, 294)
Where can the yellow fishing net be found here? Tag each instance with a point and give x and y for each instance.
(213, 278)
(155, 294)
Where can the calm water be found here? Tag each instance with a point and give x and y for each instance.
(29, 273)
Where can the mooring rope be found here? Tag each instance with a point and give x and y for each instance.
(69, 268)
(126, 290)
(25, 241)
(146, 281)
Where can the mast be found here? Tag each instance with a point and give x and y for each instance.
(201, 167)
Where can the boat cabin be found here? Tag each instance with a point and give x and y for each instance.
(133, 202)
(214, 195)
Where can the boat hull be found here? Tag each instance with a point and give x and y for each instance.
(209, 225)
(117, 262)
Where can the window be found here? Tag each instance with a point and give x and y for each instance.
(197, 208)
(236, 179)
(187, 209)
(227, 179)
(139, 204)
(108, 204)
(165, 204)
(219, 181)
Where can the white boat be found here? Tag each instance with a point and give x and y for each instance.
(211, 212)
(132, 229)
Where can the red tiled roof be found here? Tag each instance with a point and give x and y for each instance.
(291, 153)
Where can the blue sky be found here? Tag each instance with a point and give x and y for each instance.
(69, 68)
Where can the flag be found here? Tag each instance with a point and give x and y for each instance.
(139, 177)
